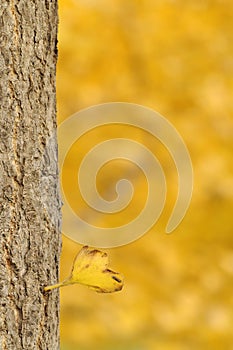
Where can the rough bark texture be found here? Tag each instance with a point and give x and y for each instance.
(29, 195)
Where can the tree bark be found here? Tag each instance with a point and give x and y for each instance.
(30, 239)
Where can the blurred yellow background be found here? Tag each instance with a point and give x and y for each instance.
(175, 57)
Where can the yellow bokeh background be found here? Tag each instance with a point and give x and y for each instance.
(175, 57)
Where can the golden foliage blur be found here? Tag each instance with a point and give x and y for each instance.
(175, 57)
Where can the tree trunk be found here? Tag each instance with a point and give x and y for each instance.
(30, 238)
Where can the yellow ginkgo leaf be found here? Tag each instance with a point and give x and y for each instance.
(90, 268)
